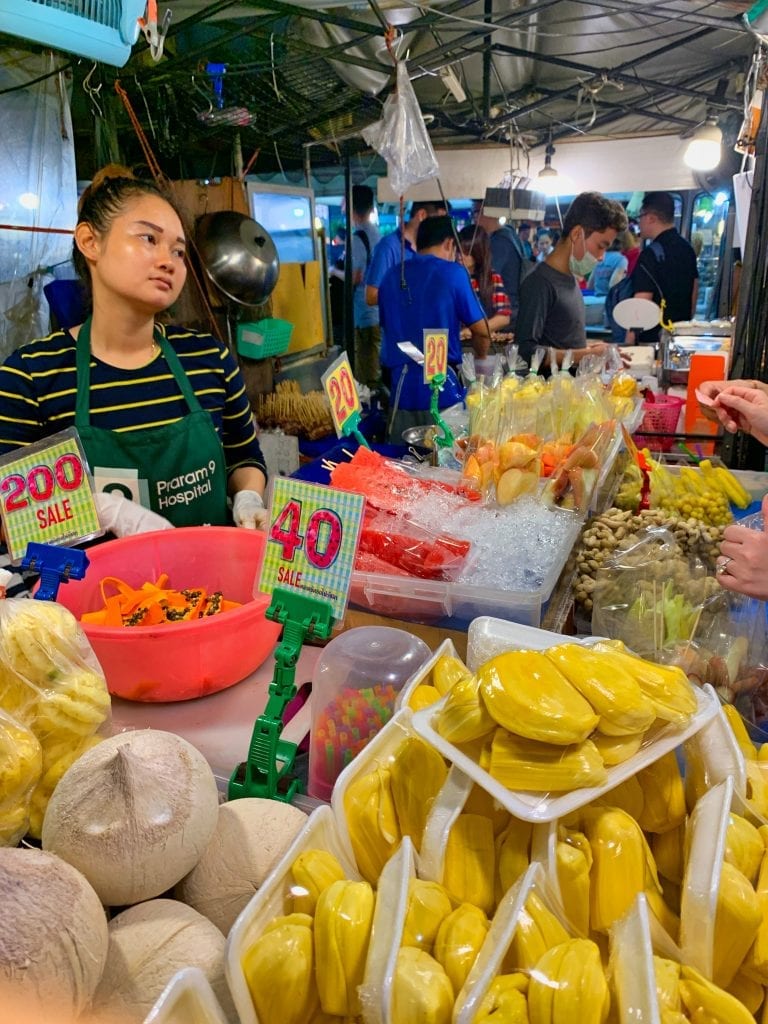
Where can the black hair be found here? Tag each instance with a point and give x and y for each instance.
(594, 212)
(362, 200)
(106, 197)
(475, 242)
(660, 203)
(433, 231)
(433, 208)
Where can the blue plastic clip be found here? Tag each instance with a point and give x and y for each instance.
(216, 72)
(56, 566)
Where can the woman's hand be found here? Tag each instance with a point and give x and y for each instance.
(248, 511)
(710, 389)
(743, 566)
(743, 408)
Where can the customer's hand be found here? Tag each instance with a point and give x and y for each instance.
(743, 566)
(248, 510)
(123, 517)
(743, 408)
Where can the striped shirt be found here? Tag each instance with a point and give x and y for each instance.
(38, 390)
(499, 300)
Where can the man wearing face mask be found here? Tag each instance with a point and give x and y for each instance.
(551, 305)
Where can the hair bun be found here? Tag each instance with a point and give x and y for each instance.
(105, 174)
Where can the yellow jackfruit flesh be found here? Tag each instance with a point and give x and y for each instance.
(666, 686)
(279, 970)
(527, 695)
(464, 716)
(744, 847)
(613, 693)
(372, 821)
(524, 764)
(505, 1001)
(667, 974)
(458, 942)
(663, 795)
(616, 749)
(569, 985)
(343, 920)
(667, 849)
(447, 672)
(737, 923)
(537, 931)
(428, 906)
(423, 696)
(421, 990)
(513, 853)
(469, 862)
(312, 872)
(706, 1003)
(417, 774)
(573, 880)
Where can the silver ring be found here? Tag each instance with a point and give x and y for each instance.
(722, 567)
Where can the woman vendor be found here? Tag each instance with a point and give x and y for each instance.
(161, 411)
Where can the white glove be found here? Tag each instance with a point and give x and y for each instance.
(248, 510)
(123, 517)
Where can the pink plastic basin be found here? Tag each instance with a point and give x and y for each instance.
(185, 659)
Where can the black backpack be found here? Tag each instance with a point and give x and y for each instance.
(625, 289)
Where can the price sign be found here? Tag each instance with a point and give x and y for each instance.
(312, 541)
(435, 354)
(342, 393)
(46, 494)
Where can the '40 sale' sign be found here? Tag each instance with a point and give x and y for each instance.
(312, 541)
(46, 494)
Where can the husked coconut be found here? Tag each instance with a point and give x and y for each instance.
(53, 933)
(251, 836)
(148, 944)
(134, 814)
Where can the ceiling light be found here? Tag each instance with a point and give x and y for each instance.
(704, 151)
(548, 180)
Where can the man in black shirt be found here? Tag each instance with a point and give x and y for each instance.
(666, 269)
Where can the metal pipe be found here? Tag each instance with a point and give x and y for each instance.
(487, 58)
(349, 312)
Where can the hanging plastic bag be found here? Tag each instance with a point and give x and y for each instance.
(401, 137)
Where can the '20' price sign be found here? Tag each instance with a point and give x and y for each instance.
(312, 541)
(342, 393)
(435, 354)
(46, 494)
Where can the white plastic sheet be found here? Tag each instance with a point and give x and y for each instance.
(401, 137)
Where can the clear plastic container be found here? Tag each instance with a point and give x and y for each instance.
(354, 688)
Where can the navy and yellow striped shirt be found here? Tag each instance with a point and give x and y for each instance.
(38, 390)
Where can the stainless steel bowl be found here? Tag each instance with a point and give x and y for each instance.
(238, 255)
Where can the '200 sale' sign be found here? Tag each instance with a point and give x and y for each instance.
(46, 494)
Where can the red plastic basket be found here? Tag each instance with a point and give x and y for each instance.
(661, 416)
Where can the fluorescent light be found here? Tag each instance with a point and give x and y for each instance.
(704, 151)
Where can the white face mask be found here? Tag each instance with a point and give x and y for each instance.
(584, 265)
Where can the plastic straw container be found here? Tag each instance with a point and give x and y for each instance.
(354, 688)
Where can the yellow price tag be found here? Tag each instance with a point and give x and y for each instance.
(435, 354)
(342, 393)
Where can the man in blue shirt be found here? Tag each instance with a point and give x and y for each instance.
(400, 244)
(431, 293)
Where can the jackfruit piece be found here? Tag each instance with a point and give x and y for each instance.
(744, 847)
(469, 862)
(428, 906)
(668, 852)
(757, 786)
(526, 694)
(372, 821)
(343, 920)
(663, 795)
(524, 764)
(447, 672)
(417, 774)
(501, 1003)
(312, 872)
(573, 880)
(628, 795)
(423, 696)
(513, 854)
(706, 1003)
(667, 975)
(613, 693)
(459, 940)
(616, 749)
(569, 985)
(622, 864)
(305, 920)
(481, 802)
(737, 923)
(279, 970)
(464, 716)
(667, 918)
(739, 730)
(667, 686)
(755, 964)
(749, 992)
(421, 990)
(537, 931)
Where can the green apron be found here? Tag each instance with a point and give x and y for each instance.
(177, 470)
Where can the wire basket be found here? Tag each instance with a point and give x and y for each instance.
(264, 338)
(660, 416)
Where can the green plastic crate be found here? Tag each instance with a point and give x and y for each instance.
(264, 338)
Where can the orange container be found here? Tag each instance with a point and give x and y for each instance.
(182, 660)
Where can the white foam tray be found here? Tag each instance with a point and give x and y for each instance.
(187, 999)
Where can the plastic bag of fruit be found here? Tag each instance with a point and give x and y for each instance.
(51, 684)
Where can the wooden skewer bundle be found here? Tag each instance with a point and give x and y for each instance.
(295, 413)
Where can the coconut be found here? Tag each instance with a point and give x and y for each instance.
(251, 836)
(148, 944)
(134, 814)
(53, 933)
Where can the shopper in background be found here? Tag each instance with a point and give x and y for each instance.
(743, 405)
(667, 269)
(508, 258)
(630, 248)
(551, 304)
(544, 246)
(487, 284)
(612, 268)
(430, 292)
(399, 245)
(365, 237)
(524, 234)
(161, 410)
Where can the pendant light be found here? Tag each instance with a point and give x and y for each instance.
(548, 179)
(704, 151)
